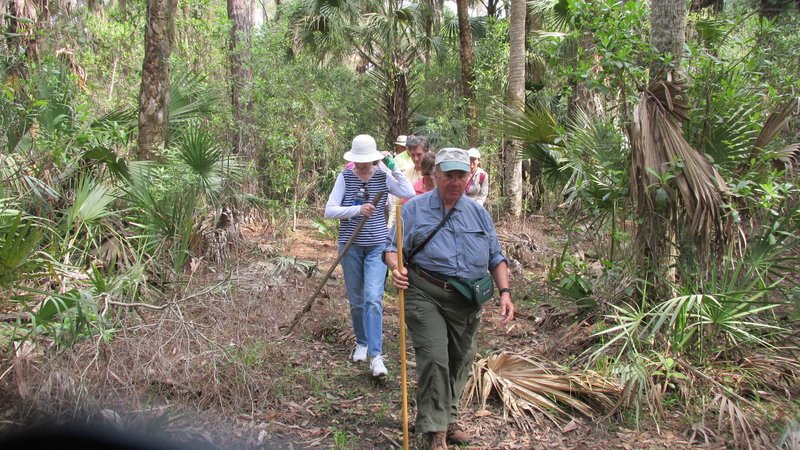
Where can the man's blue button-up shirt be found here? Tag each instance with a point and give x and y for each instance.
(467, 245)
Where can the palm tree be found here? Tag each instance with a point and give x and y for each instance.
(154, 93)
(387, 38)
(674, 186)
(512, 170)
(467, 74)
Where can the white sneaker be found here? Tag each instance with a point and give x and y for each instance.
(359, 353)
(377, 367)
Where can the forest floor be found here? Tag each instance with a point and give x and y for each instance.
(215, 365)
(337, 404)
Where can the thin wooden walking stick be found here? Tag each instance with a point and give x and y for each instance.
(402, 303)
(313, 297)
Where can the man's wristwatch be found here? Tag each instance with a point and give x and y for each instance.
(505, 290)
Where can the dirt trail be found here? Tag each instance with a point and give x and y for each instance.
(345, 408)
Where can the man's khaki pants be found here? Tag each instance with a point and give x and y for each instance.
(443, 325)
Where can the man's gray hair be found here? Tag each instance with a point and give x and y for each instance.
(416, 141)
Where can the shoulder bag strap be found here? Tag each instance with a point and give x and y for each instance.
(427, 239)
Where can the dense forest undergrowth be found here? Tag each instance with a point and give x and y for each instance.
(163, 166)
(211, 365)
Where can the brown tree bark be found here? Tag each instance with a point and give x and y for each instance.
(467, 74)
(668, 25)
(397, 101)
(154, 93)
(512, 165)
(240, 14)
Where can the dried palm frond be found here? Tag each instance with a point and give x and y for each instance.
(776, 121)
(737, 422)
(777, 372)
(664, 160)
(528, 386)
(789, 158)
(791, 436)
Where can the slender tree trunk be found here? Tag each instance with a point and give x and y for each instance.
(467, 74)
(668, 25)
(154, 94)
(240, 14)
(397, 100)
(655, 233)
(512, 165)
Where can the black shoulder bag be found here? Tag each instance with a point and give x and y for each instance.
(478, 290)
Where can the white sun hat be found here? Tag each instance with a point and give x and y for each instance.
(401, 140)
(474, 153)
(363, 150)
(452, 159)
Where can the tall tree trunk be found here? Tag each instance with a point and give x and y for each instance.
(512, 165)
(240, 14)
(154, 93)
(491, 8)
(397, 100)
(467, 74)
(668, 25)
(656, 231)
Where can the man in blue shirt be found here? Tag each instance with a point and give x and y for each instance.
(442, 322)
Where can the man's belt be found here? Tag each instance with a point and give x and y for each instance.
(434, 278)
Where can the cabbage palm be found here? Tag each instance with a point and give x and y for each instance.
(388, 37)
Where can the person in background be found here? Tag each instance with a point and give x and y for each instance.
(400, 145)
(364, 270)
(442, 322)
(400, 155)
(417, 147)
(410, 163)
(478, 184)
(426, 183)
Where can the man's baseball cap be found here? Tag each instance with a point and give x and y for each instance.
(452, 159)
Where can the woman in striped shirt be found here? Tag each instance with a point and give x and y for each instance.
(364, 270)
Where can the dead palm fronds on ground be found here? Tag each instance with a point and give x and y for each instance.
(734, 419)
(526, 385)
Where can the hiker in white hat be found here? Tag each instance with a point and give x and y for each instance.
(478, 184)
(364, 270)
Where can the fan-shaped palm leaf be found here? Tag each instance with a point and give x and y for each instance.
(189, 99)
(529, 386)
(20, 238)
(92, 200)
(536, 124)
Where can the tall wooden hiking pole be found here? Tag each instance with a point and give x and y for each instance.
(402, 303)
(310, 301)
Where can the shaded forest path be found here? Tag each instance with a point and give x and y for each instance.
(332, 402)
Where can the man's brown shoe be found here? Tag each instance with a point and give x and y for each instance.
(457, 435)
(438, 440)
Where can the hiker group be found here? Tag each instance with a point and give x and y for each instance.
(452, 258)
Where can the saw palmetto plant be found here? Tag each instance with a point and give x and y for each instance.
(528, 387)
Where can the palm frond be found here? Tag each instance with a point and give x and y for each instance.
(659, 150)
(536, 124)
(190, 98)
(92, 200)
(527, 386)
(20, 238)
(789, 158)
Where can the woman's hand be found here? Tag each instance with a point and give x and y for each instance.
(367, 209)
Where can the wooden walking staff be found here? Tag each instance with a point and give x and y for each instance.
(402, 304)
